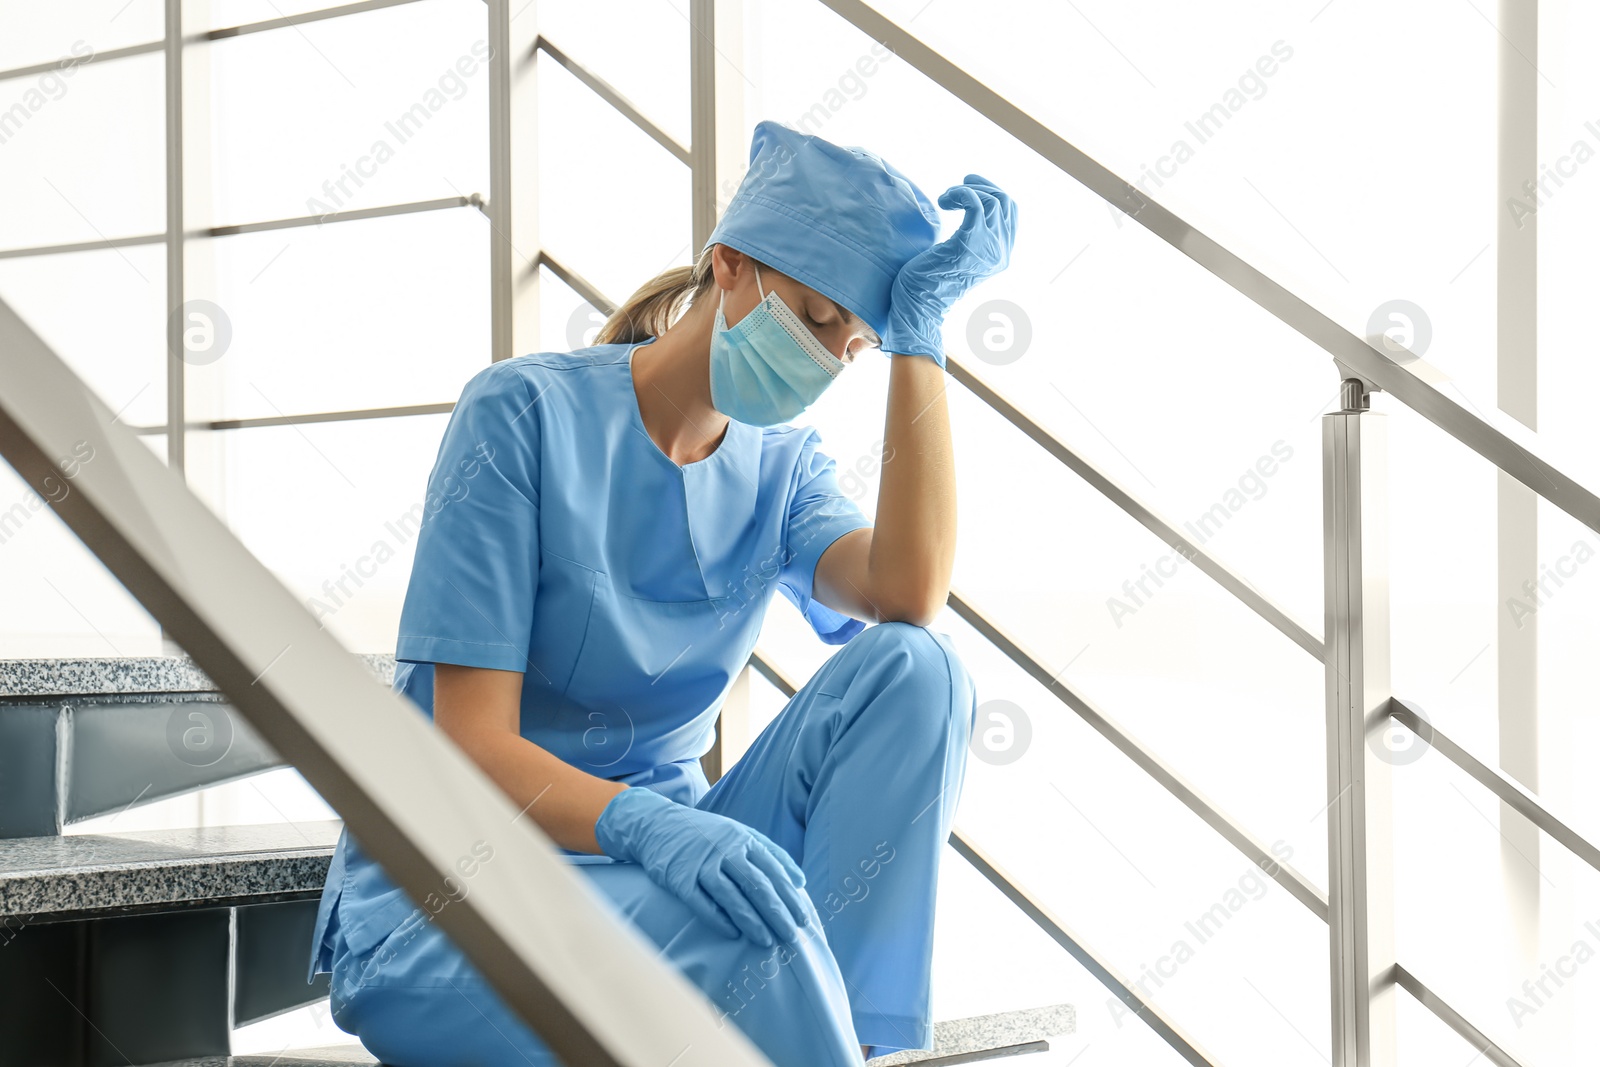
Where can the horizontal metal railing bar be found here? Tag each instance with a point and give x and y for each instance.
(1448, 1015)
(1498, 784)
(605, 91)
(1146, 1011)
(382, 211)
(577, 283)
(398, 412)
(1537, 474)
(1042, 916)
(1146, 759)
(772, 673)
(141, 49)
(84, 246)
(1533, 471)
(589, 984)
(146, 47)
(1141, 511)
(301, 19)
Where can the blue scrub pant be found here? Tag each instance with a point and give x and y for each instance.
(858, 778)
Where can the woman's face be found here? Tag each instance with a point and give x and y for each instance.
(840, 331)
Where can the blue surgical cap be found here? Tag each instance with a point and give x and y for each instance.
(840, 220)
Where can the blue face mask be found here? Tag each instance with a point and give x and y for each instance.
(770, 367)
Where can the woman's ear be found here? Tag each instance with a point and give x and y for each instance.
(726, 265)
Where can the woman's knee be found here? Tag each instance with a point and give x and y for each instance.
(933, 669)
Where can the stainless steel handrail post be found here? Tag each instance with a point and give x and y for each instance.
(717, 164)
(513, 208)
(1356, 628)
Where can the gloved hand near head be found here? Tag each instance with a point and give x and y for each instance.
(845, 222)
(932, 281)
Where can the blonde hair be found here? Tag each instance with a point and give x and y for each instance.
(657, 303)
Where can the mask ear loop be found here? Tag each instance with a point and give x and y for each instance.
(723, 295)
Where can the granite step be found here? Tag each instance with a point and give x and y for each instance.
(81, 876)
(987, 1037)
(168, 939)
(24, 680)
(84, 737)
(969, 1040)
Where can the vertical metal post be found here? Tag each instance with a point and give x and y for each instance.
(173, 56)
(733, 730)
(717, 140)
(513, 208)
(1356, 617)
(1517, 388)
(187, 115)
(717, 137)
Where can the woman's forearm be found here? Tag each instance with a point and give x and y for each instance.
(914, 536)
(479, 709)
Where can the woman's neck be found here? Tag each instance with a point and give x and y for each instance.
(672, 380)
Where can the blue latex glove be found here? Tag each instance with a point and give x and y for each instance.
(934, 279)
(731, 876)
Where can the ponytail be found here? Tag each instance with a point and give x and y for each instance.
(657, 303)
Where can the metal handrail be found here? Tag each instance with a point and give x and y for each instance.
(605, 91)
(1358, 355)
(1524, 802)
(593, 987)
(230, 229)
(218, 34)
(1486, 1046)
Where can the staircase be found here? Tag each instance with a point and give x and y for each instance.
(151, 947)
(215, 914)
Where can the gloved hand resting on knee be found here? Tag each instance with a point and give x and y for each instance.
(721, 868)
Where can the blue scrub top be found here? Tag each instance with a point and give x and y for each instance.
(559, 540)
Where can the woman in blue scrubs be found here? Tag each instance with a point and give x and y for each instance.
(605, 529)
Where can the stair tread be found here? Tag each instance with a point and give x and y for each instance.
(951, 1037)
(326, 1056)
(77, 874)
(23, 680)
(978, 1033)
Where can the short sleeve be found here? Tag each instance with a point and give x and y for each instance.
(819, 514)
(470, 598)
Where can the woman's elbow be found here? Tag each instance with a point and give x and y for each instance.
(920, 608)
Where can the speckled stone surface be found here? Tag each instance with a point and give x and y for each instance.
(327, 1056)
(123, 675)
(952, 1038)
(979, 1032)
(61, 877)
